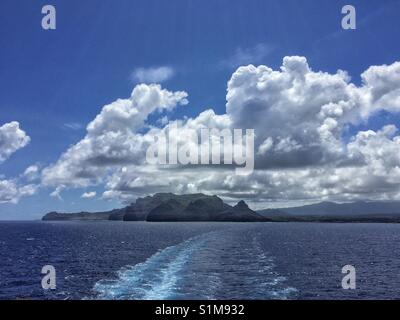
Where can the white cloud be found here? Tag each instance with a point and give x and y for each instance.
(299, 116)
(129, 114)
(32, 172)
(265, 146)
(88, 195)
(12, 192)
(304, 112)
(111, 139)
(12, 138)
(57, 192)
(152, 74)
(381, 88)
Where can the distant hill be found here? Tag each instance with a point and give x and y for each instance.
(84, 216)
(169, 207)
(360, 211)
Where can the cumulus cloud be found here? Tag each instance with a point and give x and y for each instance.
(111, 138)
(381, 88)
(12, 138)
(299, 116)
(88, 195)
(152, 74)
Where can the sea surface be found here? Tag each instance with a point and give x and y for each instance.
(139, 260)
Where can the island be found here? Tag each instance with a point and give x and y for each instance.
(165, 207)
(169, 207)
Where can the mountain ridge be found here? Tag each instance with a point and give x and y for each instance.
(165, 207)
(359, 211)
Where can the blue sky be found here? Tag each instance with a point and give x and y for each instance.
(53, 80)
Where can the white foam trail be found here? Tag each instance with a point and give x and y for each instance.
(209, 266)
(156, 278)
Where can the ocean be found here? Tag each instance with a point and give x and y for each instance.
(139, 260)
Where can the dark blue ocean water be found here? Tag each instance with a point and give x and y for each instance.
(138, 260)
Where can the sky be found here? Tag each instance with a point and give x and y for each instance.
(325, 118)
